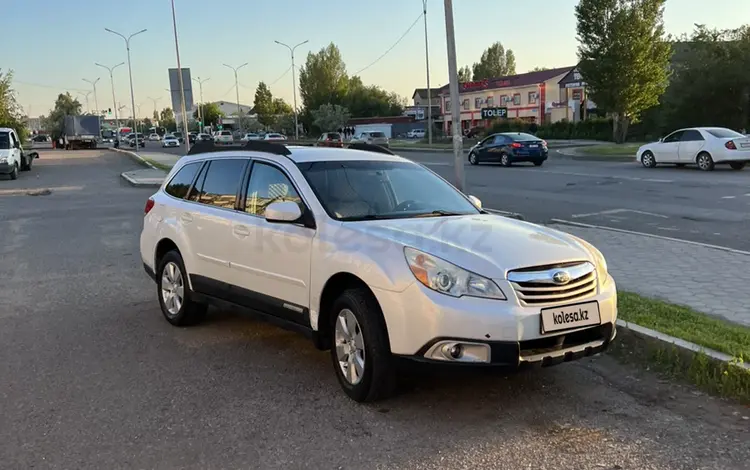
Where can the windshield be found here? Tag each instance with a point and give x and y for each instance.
(377, 134)
(4, 140)
(724, 133)
(361, 190)
(177, 134)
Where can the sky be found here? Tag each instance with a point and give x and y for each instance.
(59, 44)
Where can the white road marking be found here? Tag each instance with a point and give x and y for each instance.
(728, 197)
(617, 211)
(613, 229)
(668, 229)
(594, 175)
(748, 194)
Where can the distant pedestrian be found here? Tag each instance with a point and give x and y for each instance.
(533, 128)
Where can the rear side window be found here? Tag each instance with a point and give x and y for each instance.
(221, 183)
(377, 134)
(180, 183)
(691, 135)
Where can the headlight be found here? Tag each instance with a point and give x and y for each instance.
(3, 160)
(601, 264)
(446, 278)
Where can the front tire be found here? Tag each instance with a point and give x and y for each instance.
(175, 297)
(648, 160)
(737, 165)
(473, 159)
(705, 162)
(360, 353)
(14, 172)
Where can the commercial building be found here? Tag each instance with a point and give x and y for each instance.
(544, 96)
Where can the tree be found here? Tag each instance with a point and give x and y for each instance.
(281, 107)
(156, 115)
(495, 62)
(166, 119)
(323, 78)
(263, 104)
(539, 69)
(10, 112)
(464, 74)
(147, 124)
(209, 112)
(624, 56)
(371, 101)
(329, 117)
(65, 105)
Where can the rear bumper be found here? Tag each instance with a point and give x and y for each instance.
(529, 158)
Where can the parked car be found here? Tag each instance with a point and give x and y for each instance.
(179, 136)
(154, 137)
(192, 137)
(249, 137)
(372, 138)
(224, 137)
(205, 138)
(341, 244)
(416, 134)
(703, 146)
(170, 140)
(273, 136)
(12, 156)
(508, 148)
(330, 139)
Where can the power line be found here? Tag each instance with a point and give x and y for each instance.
(393, 46)
(281, 76)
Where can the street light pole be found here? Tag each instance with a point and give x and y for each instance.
(112, 81)
(96, 101)
(427, 62)
(86, 95)
(237, 87)
(458, 151)
(200, 106)
(182, 85)
(294, 84)
(130, 73)
(156, 111)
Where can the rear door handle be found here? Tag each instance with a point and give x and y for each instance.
(186, 218)
(241, 231)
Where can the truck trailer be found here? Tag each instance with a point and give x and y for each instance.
(82, 132)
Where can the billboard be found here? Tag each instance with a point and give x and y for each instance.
(174, 90)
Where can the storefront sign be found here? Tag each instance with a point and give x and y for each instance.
(492, 113)
(475, 85)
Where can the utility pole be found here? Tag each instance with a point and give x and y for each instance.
(294, 85)
(458, 148)
(237, 88)
(427, 62)
(112, 82)
(200, 106)
(96, 101)
(86, 95)
(182, 85)
(130, 72)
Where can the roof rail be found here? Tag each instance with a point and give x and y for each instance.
(371, 148)
(252, 145)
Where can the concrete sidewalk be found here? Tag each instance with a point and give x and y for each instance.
(709, 279)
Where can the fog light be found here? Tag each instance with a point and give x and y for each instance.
(453, 351)
(464, 351)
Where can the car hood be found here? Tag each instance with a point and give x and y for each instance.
(490, 245)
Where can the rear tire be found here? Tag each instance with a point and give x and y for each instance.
(360, 346)
(505, 160)
(705, 162)
(175, 296)
(737, 165)
(26, 166)
(538, 163)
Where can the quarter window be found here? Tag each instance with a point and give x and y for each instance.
(268, 184)
(221, 183)
(181, 182)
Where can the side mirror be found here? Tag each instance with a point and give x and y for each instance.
(661, 139)
(475, 200)
(283, 212)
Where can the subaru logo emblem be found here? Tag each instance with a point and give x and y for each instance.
(561, 277)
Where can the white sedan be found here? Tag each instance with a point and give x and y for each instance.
(704, 146)
(249, 137)
(274, 136)
(170, 141)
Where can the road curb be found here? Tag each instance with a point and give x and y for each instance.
(661, 237)
(137, 158)
(138, 184)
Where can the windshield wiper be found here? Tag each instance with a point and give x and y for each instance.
(439, 213)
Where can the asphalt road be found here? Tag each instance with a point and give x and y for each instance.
(91, 376)
(674, 202)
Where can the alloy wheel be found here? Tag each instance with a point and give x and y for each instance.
(350, 347)
(172, 288)
(704, 162)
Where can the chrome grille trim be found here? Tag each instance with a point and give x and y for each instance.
(539, 288)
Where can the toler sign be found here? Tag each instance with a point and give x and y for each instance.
(493, 113)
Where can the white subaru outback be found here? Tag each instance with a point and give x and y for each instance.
(374, 257)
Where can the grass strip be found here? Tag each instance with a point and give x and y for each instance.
(609, 150)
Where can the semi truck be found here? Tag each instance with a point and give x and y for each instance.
(82, 132)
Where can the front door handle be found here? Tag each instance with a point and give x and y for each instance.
(241, 231)
(186, 218)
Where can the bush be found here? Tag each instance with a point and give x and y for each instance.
(590, 129)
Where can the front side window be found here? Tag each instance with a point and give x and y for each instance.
(267, 185)
(364, 190)
(4, 140)
(221, 182)
(180, 183)
(673, 137)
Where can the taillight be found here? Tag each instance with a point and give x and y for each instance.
(516, 145)
(730, 145)
(544, 143)
(149, 205)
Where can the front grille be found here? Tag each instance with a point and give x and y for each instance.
(536, 286)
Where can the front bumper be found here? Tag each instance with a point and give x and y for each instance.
(509, 333)
(6, 168)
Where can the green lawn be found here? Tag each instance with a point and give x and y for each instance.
(609, 150)
(686, 323)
